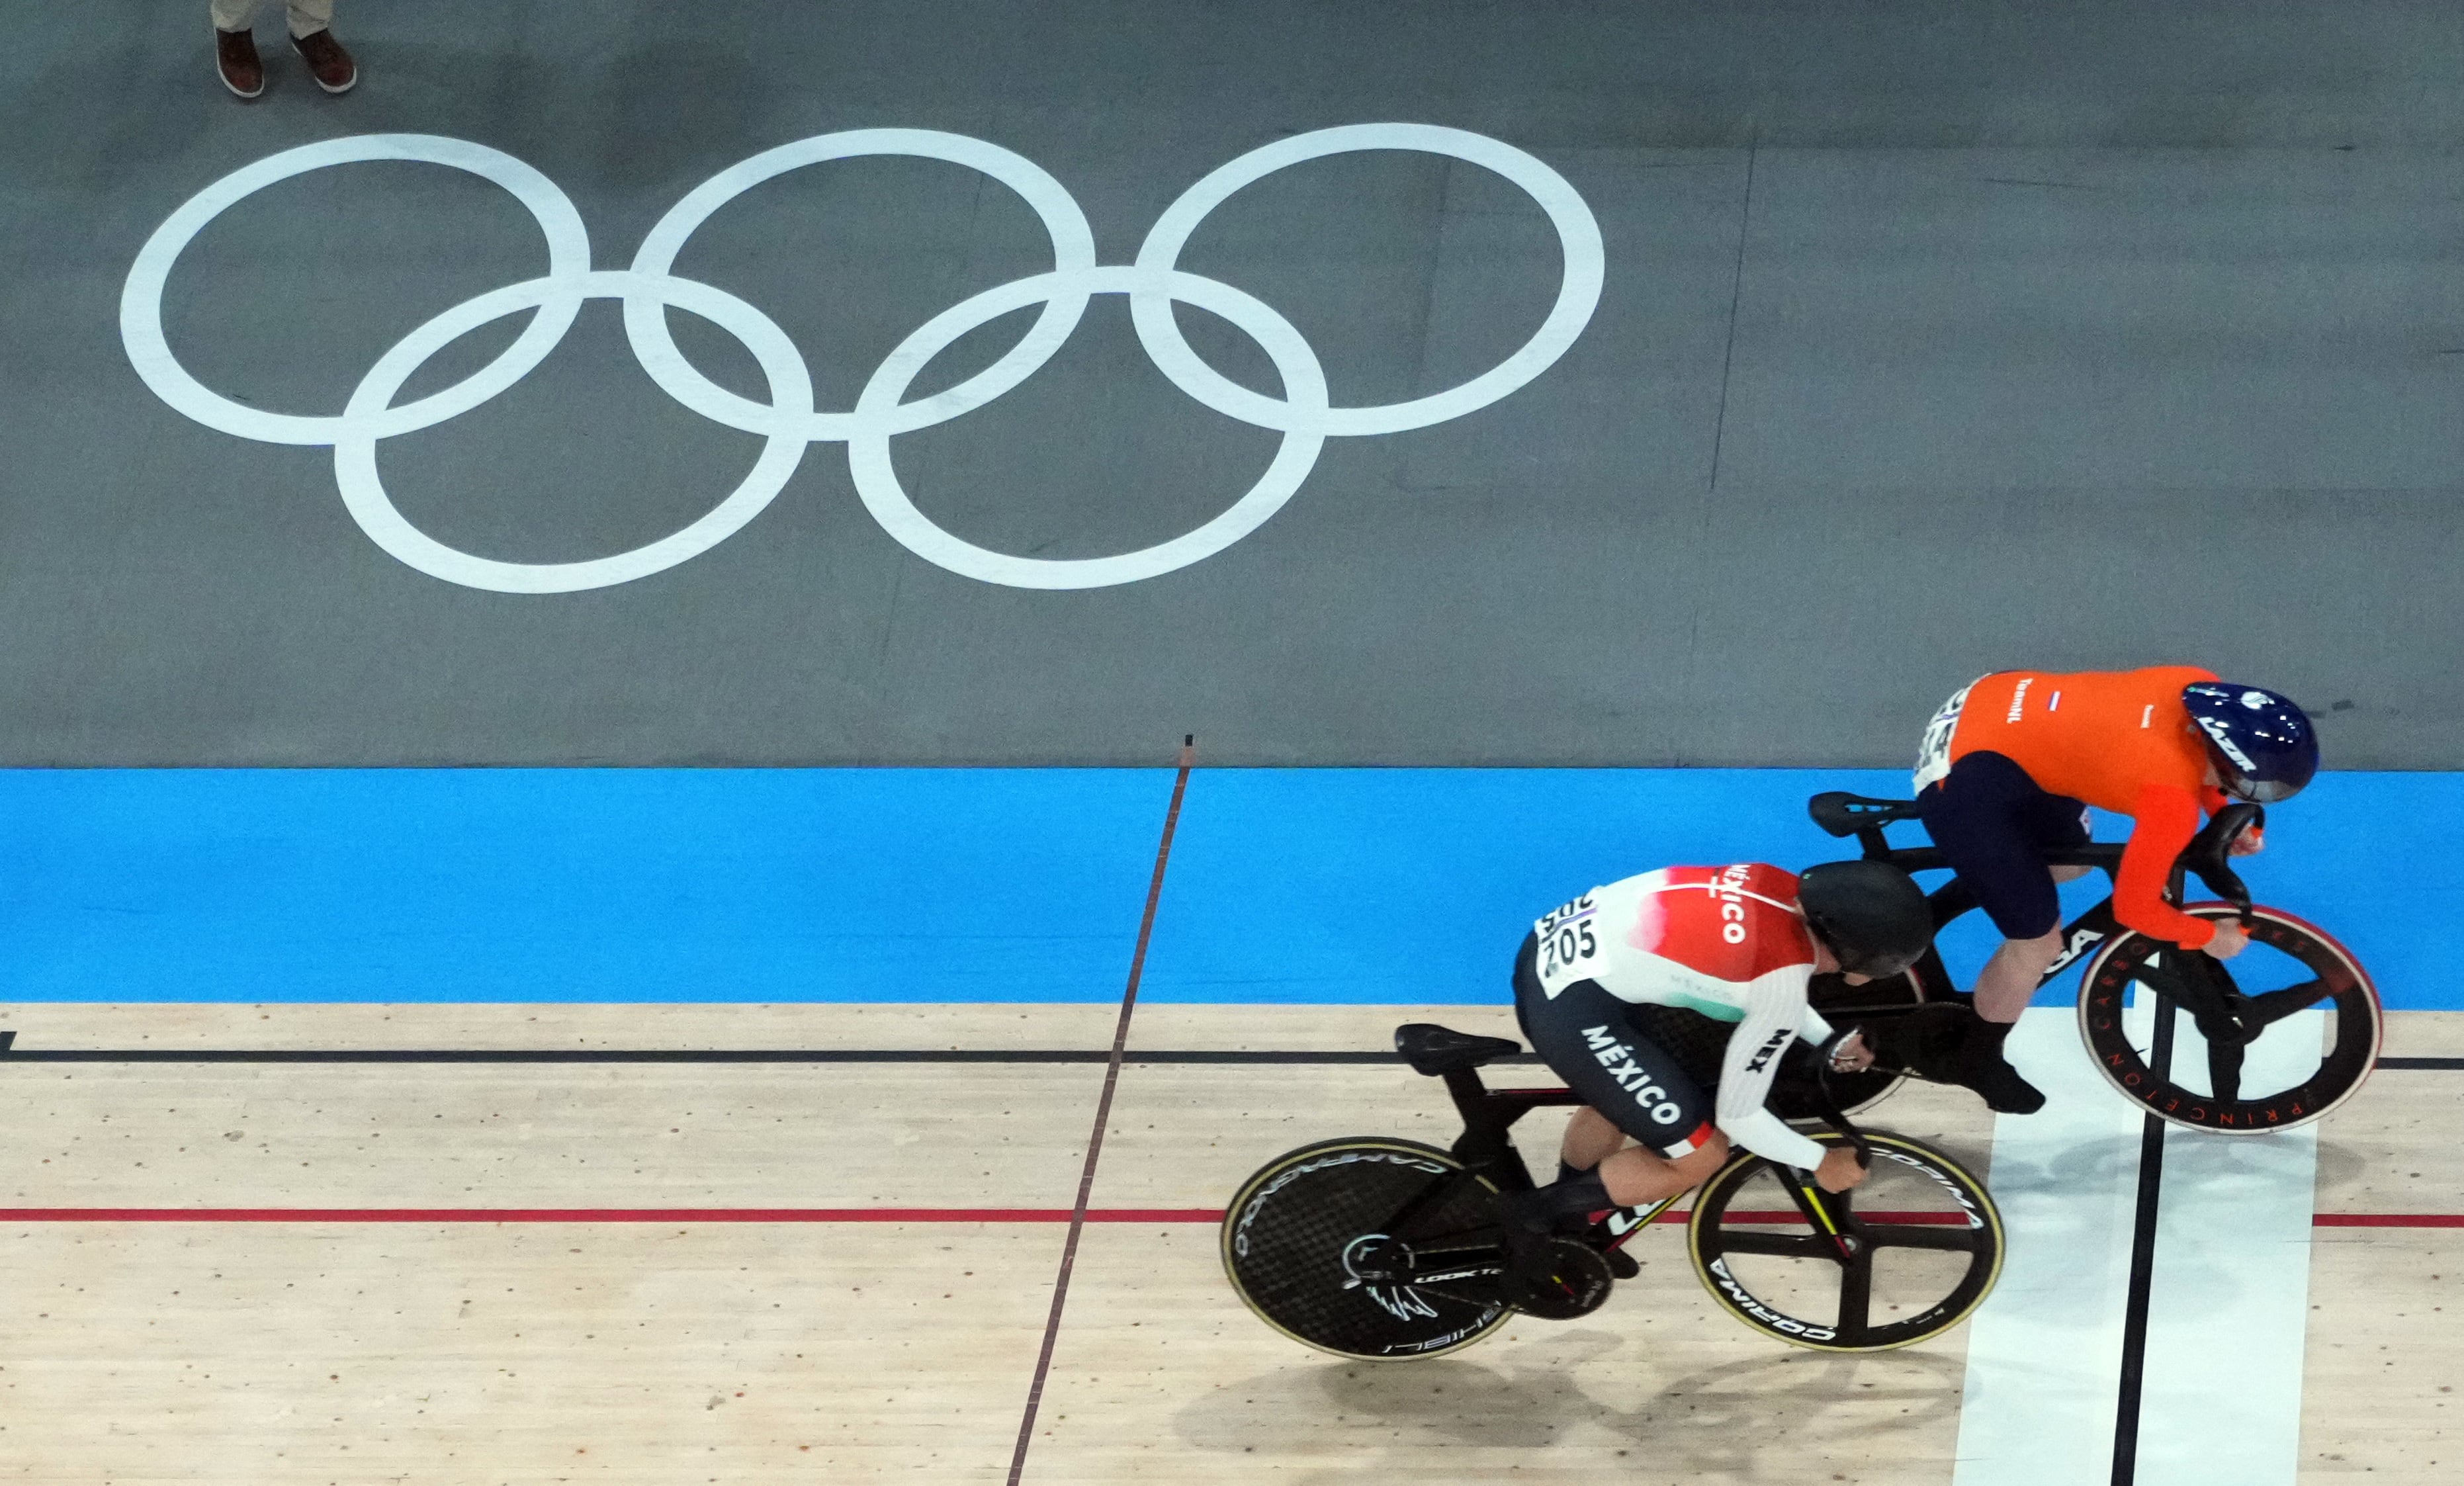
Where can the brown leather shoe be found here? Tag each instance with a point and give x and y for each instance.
(327, 63)
(235, 58)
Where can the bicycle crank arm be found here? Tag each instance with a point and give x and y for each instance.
(1450, 1263)
(1437, 1267)
(1474, 1285)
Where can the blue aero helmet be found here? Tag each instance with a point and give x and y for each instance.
(2263, 744)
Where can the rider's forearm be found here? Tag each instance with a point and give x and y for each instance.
(2164, 823)
(1775, 1015)
(1766, 1135)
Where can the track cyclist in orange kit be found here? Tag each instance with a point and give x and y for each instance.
(2004, 777)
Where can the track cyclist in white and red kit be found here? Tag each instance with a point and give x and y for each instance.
(1605, 980)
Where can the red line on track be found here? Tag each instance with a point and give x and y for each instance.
(602, 1215)
(734, 1215)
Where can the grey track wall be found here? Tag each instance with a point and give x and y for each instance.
(1936, 336)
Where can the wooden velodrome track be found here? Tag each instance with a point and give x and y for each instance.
(2160, 292)
(588, 1266)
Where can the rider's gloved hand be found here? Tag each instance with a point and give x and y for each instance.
(2231, 940)
(1839, 1171)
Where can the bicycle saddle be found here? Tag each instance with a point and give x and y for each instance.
(1844, 813)
(1435, 1050)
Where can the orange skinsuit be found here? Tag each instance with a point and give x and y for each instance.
(2120, 740)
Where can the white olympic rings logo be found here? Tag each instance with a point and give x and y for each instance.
(789, 422)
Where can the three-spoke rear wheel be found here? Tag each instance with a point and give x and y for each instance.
(1905, 1257)
(1368, 1247)
(2273, 1039)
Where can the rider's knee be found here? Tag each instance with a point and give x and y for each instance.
(2038, 953)
(1695, 1165)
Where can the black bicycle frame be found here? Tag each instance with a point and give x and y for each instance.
(2192, 980)
(1486, 1151)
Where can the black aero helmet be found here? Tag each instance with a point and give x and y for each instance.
(2263, 747)
(1871, 916)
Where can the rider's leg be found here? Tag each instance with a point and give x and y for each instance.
(1631, 1088)
(1589, 1140)
(1633, 1177)
(1997, 827)
(1636, 1177)
(2010, 977)
(2002, 993)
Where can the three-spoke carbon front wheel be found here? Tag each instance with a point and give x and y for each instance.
(1368, 1247)
(1905, 1257)
(2273, 1039)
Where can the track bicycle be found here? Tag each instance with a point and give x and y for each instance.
(1390, 1250)
(2198, 1081)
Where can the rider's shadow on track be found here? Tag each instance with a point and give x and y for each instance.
(2343, 1167)
(2087, 1163)
(1718, 1419)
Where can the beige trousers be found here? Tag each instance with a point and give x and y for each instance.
(307, 16)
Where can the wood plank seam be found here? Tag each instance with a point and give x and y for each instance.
(1102, 1114)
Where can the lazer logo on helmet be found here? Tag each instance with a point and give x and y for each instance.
(1659, 1105)
(2223, 742)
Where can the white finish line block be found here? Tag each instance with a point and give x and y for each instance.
(2220, 1403)
(2044, 1352)
(2227, 1312)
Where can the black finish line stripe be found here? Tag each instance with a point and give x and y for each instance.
(2142, 1271)
(1103, 1113)
(552, 1055)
